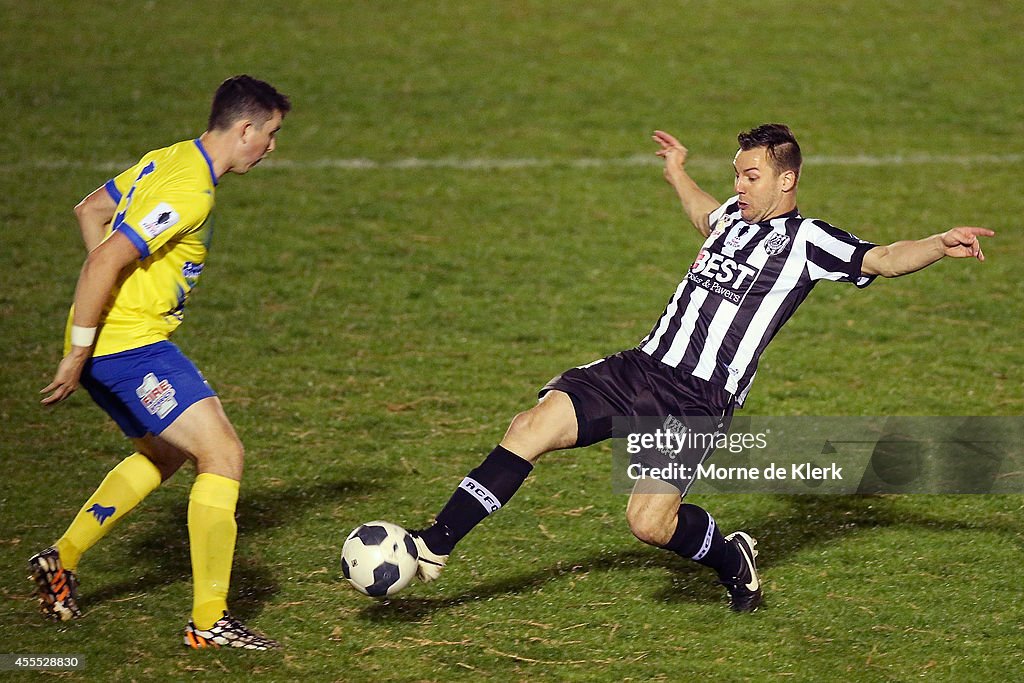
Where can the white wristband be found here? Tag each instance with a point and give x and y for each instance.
(82, 336)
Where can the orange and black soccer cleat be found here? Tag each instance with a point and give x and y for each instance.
(56, 587)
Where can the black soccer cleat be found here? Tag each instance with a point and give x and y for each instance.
(56, 587)
(227, 632)
(745, 590)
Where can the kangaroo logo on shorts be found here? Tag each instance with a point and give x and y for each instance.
(157, 395)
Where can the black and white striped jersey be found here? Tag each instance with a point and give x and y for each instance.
(745, 283)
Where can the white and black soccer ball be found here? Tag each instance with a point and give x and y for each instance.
(379, 558)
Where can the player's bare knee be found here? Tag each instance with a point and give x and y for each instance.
(546, 427)
(226, 458)
(648, 524)
(646, 531)
(522, 426)
(235, 453)
(530, 436)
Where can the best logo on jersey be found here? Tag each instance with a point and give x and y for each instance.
(722, 275)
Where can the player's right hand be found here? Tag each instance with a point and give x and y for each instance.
(65, 381)
(671, 150)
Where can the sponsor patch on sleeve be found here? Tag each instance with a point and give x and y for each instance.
(159, 219)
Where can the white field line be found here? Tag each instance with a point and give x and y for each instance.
(635, 160)
(473, 164)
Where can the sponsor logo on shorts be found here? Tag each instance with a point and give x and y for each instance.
(722, 275)
(676, 428)
(157, 395)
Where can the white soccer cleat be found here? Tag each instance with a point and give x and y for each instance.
(430, 563)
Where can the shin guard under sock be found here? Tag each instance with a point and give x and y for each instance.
(483, 491)
(697, 538)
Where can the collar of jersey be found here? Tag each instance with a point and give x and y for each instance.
(795, 213)
(209, 162)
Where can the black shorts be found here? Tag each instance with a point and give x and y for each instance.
(632, 384)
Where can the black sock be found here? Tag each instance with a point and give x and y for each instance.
(483, 491)
(697, 538)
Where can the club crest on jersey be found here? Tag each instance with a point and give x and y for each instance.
(722, 275)
(775, 243)
(157, 395)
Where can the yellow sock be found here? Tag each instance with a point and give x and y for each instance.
(211, 532)
(122, 489)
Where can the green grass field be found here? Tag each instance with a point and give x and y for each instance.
(372, 327)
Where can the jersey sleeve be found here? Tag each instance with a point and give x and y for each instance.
(120, 184)
(160, 210)
(834, 254)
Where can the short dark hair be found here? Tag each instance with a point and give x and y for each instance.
(778, 139)
(245, 97)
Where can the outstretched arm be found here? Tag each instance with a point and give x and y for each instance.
(900, 258)
(697, 204)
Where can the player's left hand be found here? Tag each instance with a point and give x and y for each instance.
(963, 242)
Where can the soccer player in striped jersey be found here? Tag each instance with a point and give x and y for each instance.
(759, 261)
(147, 232)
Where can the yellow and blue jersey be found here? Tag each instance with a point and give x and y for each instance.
(164, 205)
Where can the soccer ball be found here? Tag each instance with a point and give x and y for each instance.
(379, 558)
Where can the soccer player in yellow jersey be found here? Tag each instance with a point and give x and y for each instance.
(147, 232)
